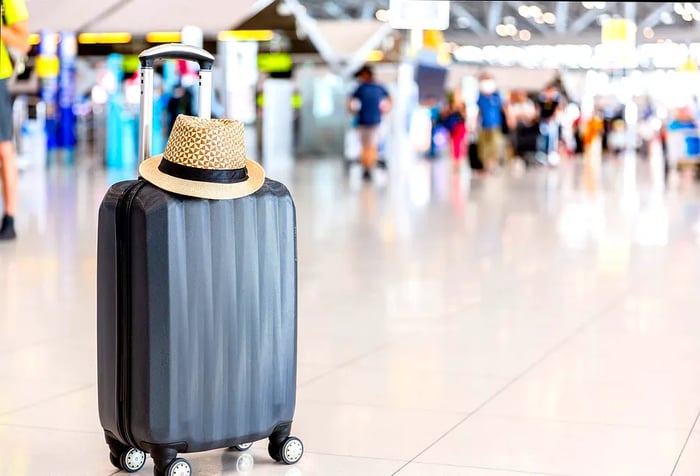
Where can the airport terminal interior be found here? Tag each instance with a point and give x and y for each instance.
(497, 229)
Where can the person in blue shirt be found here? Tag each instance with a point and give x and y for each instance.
(369, 102)
(490, 141)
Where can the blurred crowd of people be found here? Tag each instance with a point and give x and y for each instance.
(527, 125)
(538, 127)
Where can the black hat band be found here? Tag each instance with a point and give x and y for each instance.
(185, 172)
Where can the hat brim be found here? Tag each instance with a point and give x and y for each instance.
(193, 188)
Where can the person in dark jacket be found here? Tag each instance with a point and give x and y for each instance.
(179, 103)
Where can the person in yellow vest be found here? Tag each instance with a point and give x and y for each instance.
(15, 35)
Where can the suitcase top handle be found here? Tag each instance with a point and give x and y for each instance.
(176, 51)
(171, 51)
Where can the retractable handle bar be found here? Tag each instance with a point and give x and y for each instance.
(171, 51)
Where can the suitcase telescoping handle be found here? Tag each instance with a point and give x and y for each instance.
(171, 51)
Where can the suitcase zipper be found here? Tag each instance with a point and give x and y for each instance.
(123, 228)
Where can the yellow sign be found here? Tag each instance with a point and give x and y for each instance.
(274, 62)
(432, 39)
(690, 66)
(104, 38)
(164, 37)
(618, 30)
(246, 35)
(47, 66)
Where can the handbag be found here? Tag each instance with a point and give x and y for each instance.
(504, 123)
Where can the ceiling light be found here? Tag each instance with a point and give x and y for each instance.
(382, 15)
(539, 20)
(524, 35)
(689, 7)
(283, 9)
(524, 11)
(535, 11)
(104, 38)
(588, 5)
(696, 15)
(375, 55)
(549, 18)
(687, 16)
(511, 30)
(246, 35)
(678, 8)
(501, 30)
(648, 33)
(164, 37)
(463, 22)
(599, 5)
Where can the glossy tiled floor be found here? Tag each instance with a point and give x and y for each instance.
(541, 322)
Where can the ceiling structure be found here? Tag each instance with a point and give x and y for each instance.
(138, 16)
(336, 28)
(477, 23)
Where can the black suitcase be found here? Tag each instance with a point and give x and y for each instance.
(473, 155)
(196, 318)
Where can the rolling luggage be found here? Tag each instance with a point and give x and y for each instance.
(196, 313)
(473, 156)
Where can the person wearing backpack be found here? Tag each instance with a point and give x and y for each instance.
(14, 34)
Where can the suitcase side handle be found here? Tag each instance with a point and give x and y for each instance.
(170, 51)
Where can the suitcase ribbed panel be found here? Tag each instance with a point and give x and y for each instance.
(214, 317)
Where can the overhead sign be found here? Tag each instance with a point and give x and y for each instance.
(618, 30)
(419, 15)
(274, 62)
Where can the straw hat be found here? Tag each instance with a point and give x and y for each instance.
(205, 158)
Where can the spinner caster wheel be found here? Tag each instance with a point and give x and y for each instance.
(289, 452)
(131, 460)
(179, 467)
(242, 447)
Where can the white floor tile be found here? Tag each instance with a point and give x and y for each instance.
(32, 451)
(594, 402)
(689, 462)
(418, 300)
(369, 431)
(75, 411)
(401, 389)
(423, 469)
(216, 463)
(25, 393)
(557, 447)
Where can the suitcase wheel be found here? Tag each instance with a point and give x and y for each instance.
(289, 452)
(242, 447)
(130, 460)
(245, 463)
(179, 467)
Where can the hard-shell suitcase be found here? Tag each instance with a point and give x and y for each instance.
(473, 156)
(196, 314)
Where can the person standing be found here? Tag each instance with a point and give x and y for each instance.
(521, 115)
(374, 100)
(491, 117)
(13, 34)
(549, 104)
(454, 118)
